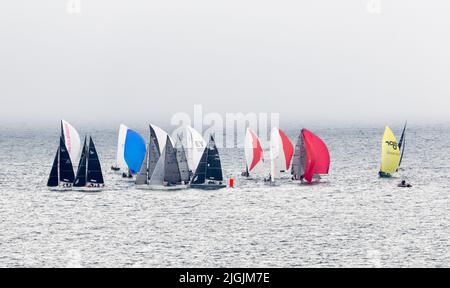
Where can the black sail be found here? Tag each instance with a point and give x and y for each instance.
(200, 173)
(80, 179)
(171, 168)
(214, 167)
(53, 179)
(209, 167)
(401, 144)
(65, 165)
(94, 170)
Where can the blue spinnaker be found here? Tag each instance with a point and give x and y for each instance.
(134, 151)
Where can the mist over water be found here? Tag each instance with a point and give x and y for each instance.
(352, 218)
(139, 60)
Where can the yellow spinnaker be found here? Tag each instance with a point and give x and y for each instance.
(390, 152)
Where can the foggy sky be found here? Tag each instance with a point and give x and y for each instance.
(128, 61)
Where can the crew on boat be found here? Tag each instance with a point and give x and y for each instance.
(403, 184)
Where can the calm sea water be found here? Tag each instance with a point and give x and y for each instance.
(352, 218)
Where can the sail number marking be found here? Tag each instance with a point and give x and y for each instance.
(393, 144)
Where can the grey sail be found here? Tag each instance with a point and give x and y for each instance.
(153, 156)
(299, 159)
(142, 176)
(157, 177)
(155, 139)
(182, 161)
(171, 169)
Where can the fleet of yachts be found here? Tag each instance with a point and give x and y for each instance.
(163, 163)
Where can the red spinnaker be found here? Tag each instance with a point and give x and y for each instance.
(288, 149)
(257, 151)
(317, 155)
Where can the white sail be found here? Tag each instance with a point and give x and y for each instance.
(282, 149)
(71, 140)
(120, 160)
(253, 151)
(194, 146)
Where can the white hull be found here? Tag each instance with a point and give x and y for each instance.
(87, 189)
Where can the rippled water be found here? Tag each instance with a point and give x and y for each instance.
(352, 218)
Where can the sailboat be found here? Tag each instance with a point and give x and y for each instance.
(156, 144)
(194, 146)
(208, 175)
(167, 174)
(120, 164)
(130, 152)
(281, 151)
(311, 157)
(254, 156)
(61, 176)
(391, 153)
(89, 174)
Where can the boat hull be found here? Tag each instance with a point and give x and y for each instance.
(60, 189)
(161, 187)
(208, 186)
(384, 175)
(87, 189)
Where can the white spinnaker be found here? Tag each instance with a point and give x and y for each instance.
(250, 143)
(161, 135)
(120, 157)
(72, 141)
(194, 146)
(280, 156)
(275, 153)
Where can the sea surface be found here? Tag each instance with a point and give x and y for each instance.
(351, 219)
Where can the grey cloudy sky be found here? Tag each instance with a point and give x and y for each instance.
(143, 60)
